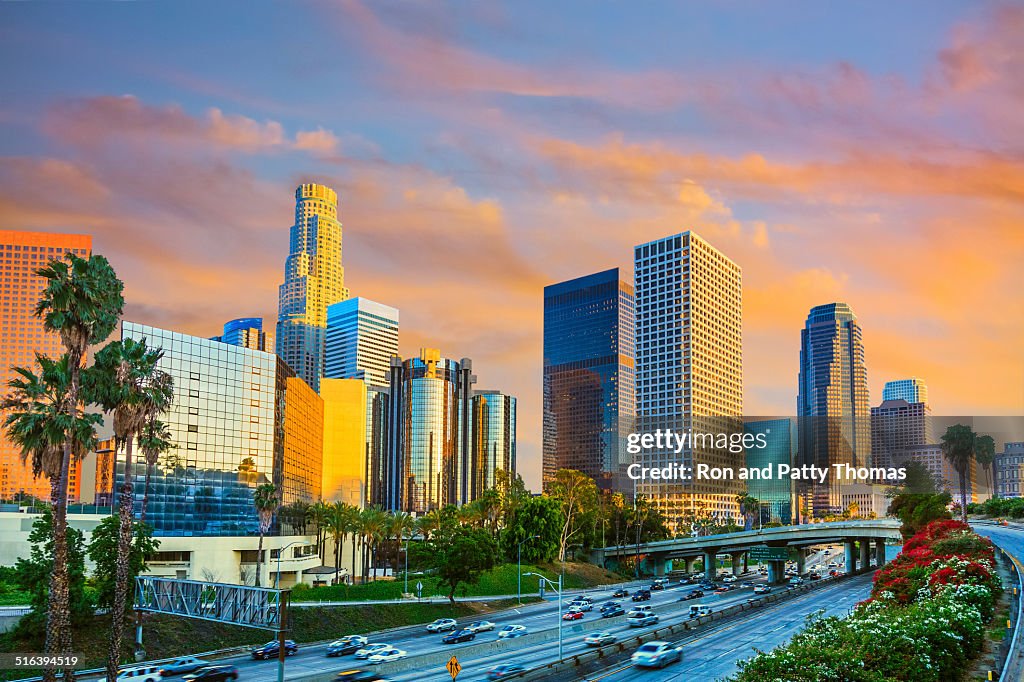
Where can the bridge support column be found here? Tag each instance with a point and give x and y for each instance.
(659, 566)
(865, 555)
(801, 560)
(709, 566)
(737, 563)
(776, 572)
(879, 552)
(851, 558)
(691, 564)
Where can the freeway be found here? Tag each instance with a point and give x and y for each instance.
(1011, 540)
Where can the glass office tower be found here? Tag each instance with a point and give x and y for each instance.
(246, 332)
(588, 378)
(494, 438)
(313, 280)
(832, 401)
(912, 390)
(362, 337)
(775, 494)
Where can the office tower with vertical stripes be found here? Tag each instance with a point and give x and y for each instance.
(362, 337)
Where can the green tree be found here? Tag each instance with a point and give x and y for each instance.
(919, 479)
(958, 448)
(537, 524)
(577, 493)
(32, 576)
(154, 440)
(985, 454)
(400, 525)
(458, 554)
(750, 507)
(266, 501)
(129, 384)
(318, 516)
(103, 552)
(917, 510)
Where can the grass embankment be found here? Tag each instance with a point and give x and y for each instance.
(501, 580)
(164, 636)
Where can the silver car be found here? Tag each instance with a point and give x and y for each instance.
(657, 654)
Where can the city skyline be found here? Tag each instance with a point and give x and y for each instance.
(830, 193)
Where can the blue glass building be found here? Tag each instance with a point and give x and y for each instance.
(589, 378)
(246, 332)
(774, 494)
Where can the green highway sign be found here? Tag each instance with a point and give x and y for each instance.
(766, 553)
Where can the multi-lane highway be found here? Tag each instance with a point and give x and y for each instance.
(1011, 540)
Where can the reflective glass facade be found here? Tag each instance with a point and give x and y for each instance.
(912, 390)
(301, 452)
(774, 494)
(589, 378)
(344, 440)
(313, 280)
(22, 336)
(832, 402)
(362, 337)
(494, 438)
(377, 414)
(246, 332)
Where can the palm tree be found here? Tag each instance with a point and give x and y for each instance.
(37, 422)
(318, 515)
(749, 506)
(154, 440)
(128, 383)
(399, 524)
(373, 522)
(82, 301)
(958, 448)
(339, 523)
(266, 502)
(428, 523)
(984, 454)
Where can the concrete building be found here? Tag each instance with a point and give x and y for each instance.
(689, 365)
(868, 498)
(22, 336)
(895, 425)
(314, 279)
(1008, 467)
(589, 391)
(362, 337)
(832, 402)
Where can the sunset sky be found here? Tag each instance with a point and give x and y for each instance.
(859, 152)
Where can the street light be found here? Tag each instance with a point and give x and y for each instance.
(277, 580)
(559, 613)
(409, 537)
(519, 567)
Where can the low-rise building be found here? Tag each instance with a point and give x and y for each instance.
(1008, 467)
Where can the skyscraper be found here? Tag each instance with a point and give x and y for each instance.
(22, 336)
(774, 494)
(362, 337)
(896, 425)
(344, 440)
(494, 438)
(832, 401)
(313, 280)
(912, 390)
(689, 366)
(589, 390)
(246, 332)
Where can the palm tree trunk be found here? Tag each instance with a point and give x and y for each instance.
(963, 494)
(354, 543)
(124, 542)
(58, 630)
(145, 494)
(259, 556)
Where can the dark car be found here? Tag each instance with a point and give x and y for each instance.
(696, 594)
(500, 672)
(612, 610)
(641, 595)
(270, 649)
(621, 592)
(213, 673)
(359, 676)
(457, 636)
(346, 645)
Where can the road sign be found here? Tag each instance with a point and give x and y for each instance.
(419, 589)
(453, 667)
(766, 553)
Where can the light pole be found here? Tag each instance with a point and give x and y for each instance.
(407, 563)
(559, 613)
(519, 567)
(277, 580)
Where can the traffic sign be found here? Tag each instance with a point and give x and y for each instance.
(419, 589)
(766, 553)
(453, 667)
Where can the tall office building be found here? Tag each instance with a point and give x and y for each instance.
(775, 494)
(362, 337)
(689, 366)
(376, 447)
(912, 390)
(22, 336)
(589, 388)
(239, 419)
(344, 442)
(313, 280)
(896, 425)
(246, 332)
(832, 402)
(493, 439)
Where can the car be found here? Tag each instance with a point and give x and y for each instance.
(722, 590)
(708, 585)
(456, 636)
(599, 639)
(621, 592)
(762, 589)
(813, 576)
(828, 552)
(270, 649)
(359, 675)
(696, 594)
(182, 665)
(387, 655)
(641, 595)
(500, 672)
(572, 614)
(612, 611)
(729, 579)
(833, 564)
(346, 645)
(141, 673)
(796, 580)
(511, 631)
(481, 626)
(698, 610)
(656, 654)
(639, 619)
(213, 673)
(441, 625)
(656, 585)
(371, 649)
(747, 583)
(581, 605)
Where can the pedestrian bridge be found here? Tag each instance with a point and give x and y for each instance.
(857, 537)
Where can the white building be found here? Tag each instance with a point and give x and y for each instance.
(362, 337)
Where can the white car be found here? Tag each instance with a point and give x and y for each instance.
(581, 604)
(480, 626)
(441, 625)
(510, 631)
(657, 654)
(639, 619)
(762, 589)
(390, 654)
(729, 579)
(142, 673)
(372, 650)
(599, 639)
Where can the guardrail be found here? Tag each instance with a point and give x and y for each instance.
(1011, 667)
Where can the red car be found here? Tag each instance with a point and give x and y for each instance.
(572, 614)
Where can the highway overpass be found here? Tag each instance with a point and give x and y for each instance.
(771, 545)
